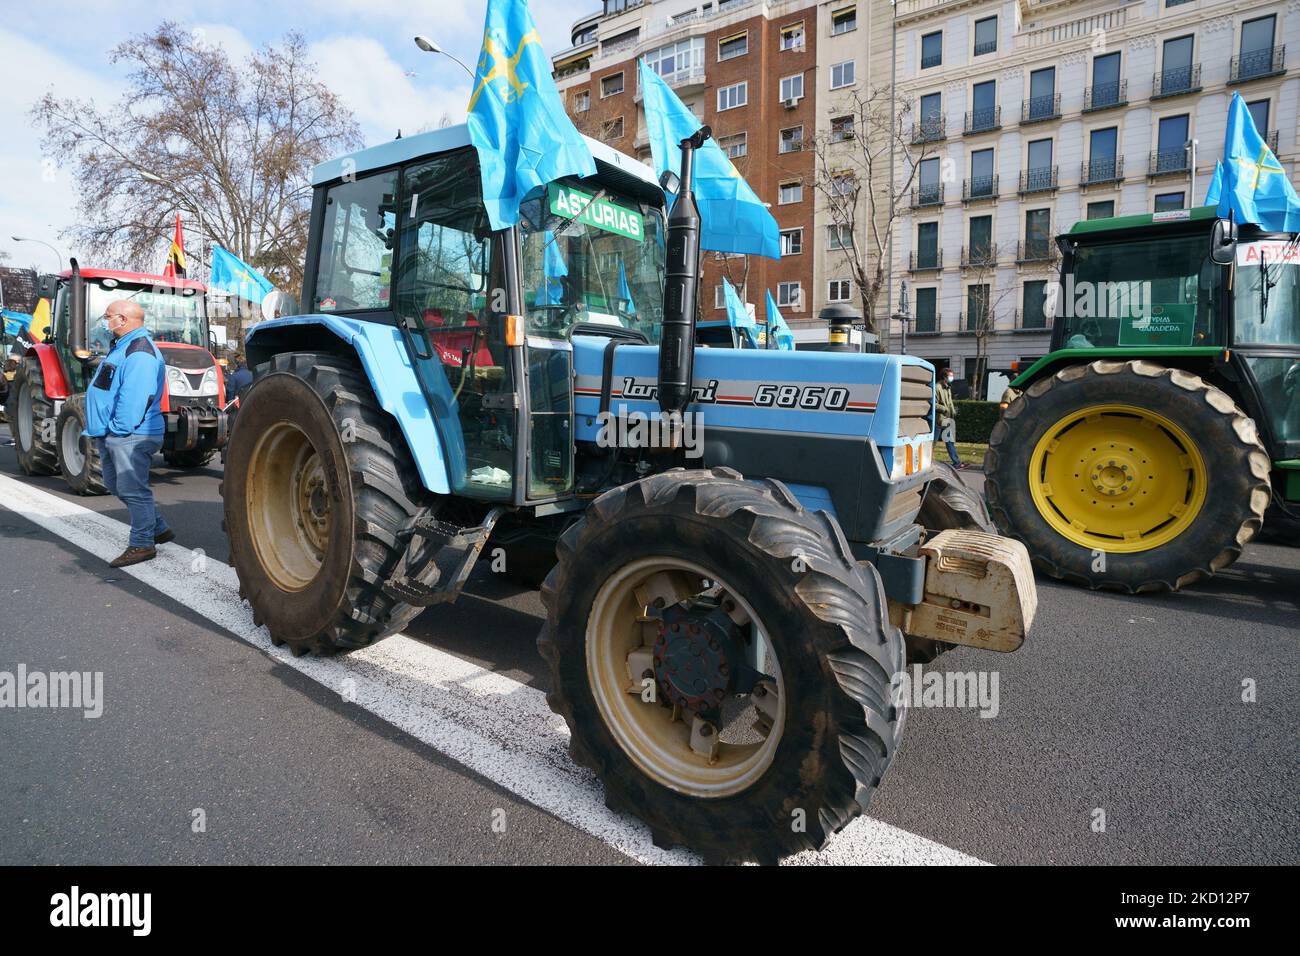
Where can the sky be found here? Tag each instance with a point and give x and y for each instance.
(363, 49)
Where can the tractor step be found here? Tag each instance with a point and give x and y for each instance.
(438, 560)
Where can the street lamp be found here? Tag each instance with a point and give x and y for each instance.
(41, 242)
(429, 46)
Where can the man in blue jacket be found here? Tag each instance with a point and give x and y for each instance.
(124, 416)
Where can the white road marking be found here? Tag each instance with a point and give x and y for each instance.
(493, 725)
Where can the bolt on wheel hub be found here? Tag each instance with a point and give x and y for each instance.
(694, 660)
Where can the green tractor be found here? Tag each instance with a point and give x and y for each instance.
(1175, 358)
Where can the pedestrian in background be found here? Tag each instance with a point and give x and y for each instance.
(124, 416)
(948, 416)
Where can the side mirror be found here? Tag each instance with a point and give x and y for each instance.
(669, 182)
(47, 285)
(1223, 242)
(278, 303)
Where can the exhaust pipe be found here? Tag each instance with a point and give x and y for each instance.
(77, 313)
(681, 288)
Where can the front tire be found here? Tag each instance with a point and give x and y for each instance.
(79, 455)
(1102, 470)
(194, 458)
(31, 420)
(821, 615)
(951, 504)
(313, 520)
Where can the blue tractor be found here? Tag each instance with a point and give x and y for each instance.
(738, 568)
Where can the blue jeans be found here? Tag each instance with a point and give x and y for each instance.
(125, 461)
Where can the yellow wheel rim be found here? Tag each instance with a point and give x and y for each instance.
(1117, 479)
(289, 514)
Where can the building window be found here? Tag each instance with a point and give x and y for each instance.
(791, 242)
(792, 87)
(927, 310)
(1177, 74)
(1033, 305)
(582, 101)
(1257, 55)
(838, 237)
(611, 85)
(791, 140)
(844, 21)
(730, 97)
(790, 193)
(1105, 81)
(980, 247)
(977, 307)
(792, 37)
(927, 245)
(842, 184)
(612, 129)
(1168, 202)
(678, 61)
(841, 129)
(732, 47)
(1038, 234)
(735, 146)
(842, 74)
(1101, 210)
(839, 290)
(720, 295)
(790, 295)
(986, 36)
(932, 49)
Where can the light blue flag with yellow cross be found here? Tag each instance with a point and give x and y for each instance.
(231, 274)
(732, 217)
(517, 121)
(777, 329)
(1255, 185)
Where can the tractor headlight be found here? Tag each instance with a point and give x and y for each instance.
(209, 384)
(911, 461)
(176, 383)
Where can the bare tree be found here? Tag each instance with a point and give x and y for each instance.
(853, 178)
(229, 146)
(979, 317)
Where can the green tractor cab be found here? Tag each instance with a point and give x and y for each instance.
(1175, 360)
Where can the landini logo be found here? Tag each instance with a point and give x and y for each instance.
(73, 909)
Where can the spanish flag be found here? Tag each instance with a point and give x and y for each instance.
(175, 268)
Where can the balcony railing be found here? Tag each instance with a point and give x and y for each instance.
(929, 130)
(984, 254)
(1182, 79)
(1038, 180)
(981, 121)
(987, 46)
(1105, 96)
(927, 324)
(934, 59)
(925, 260)
(978, 190)
(927, 196)
(1257, 64)
(1035, 250)
(1038, 109)
(974, 322)
(1030, 321)
(1102, 171)
(1166, 162)
(1271, 139)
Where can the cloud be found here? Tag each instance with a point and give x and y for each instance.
(37, 199)
(236, 45)
(380, 93)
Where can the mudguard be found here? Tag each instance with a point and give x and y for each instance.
(56, 384)
(388, 365)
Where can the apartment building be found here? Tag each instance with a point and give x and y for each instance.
(1038, 113)
(747, 68)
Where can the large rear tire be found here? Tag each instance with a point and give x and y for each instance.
(1102, 470)
(79, 455)
(31, 420)
(314, 520)
(822, 618)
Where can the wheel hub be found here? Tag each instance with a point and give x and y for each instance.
(1113, 476)
(696, 659)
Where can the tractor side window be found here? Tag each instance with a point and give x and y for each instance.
(356, 250)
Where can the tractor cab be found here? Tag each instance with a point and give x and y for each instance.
(1184, 283)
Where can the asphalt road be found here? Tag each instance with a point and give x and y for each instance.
(1128, 706)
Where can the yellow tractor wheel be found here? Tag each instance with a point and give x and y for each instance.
(1103, 471)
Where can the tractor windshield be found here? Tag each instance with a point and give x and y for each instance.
(591, 256)
(1154, 292)
(169, 315)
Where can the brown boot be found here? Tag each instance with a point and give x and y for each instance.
(133, 556)
(168, 535)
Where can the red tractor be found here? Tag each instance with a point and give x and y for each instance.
(47, 398)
